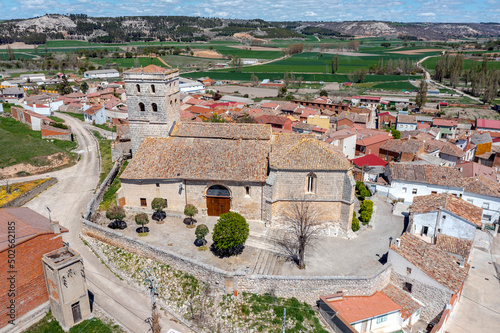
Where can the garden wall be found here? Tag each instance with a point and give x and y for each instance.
(304, 288)
(26, 197)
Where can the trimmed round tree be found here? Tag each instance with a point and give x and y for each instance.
(230, 234)
(190, 211)
(159, 204)
(200, 232)
(142, 219)
(116, 214)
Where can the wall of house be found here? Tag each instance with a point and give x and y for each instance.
(393, 323)
(320, 121)
(133, 190)
(432, 294)
(453, 160)
(490, 205)
(348, 146)
(454, 226)
(397, 190)
(406, 127)
(100, 117)
(424, 220)
(30, 286)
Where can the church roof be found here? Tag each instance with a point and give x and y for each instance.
(198, 158)
(302, 152)
(223, 131)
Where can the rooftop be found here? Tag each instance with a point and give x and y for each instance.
(151, 69)
(451, 149)
(408, 304)
(403, 146)
(436, 263)
(488, 123)
(433, 202)
(370, 160)
(430, 174)
(444, 122)
(222, 131)
(408, 119)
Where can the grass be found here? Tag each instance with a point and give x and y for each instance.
(18, 144)
(109, 197)
(18, 189)
(79, 116)
(56, 119)
(49, 324)
(105, 127)
(127, 62)
(430, 63)
(398, 85)
(105, 149)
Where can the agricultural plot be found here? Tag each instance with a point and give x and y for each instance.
(398, 85)
(430, 64)
(226, 50)
(127, 62)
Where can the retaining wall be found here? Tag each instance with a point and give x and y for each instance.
(24, 198)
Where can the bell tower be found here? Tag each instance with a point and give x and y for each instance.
(153, 101)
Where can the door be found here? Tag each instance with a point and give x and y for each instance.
(77, 315)
(218, 205)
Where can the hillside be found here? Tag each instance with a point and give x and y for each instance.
(183, 28)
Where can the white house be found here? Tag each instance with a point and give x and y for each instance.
(95, 115)
(101, 74)
(444, 214)
(345, 140)
(406, 181)
(388, 310)
(42, 109)
(246, 61)
(406, 122)
(33, 77)
(190, 86)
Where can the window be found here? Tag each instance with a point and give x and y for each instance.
(77, 314)
(470, 200)
(157, 184)
(166, 203)
(434, 192)
(381, 319)
(141, 107)
(153, 90)
(425, 230)
(408, 270)
(487, 217)
(414, 191)
(247, 190)
(404, 189)
(407, 287)
(144, 203)
(486, 205)
(154, 107)
(138, 87)
(311, 183)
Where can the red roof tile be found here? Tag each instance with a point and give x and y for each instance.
(488, 123)
(370, 160)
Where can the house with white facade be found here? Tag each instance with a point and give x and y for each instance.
(41, 109)
(345, 140)
(406, 122)
(95, 115)
(444, 214)
(406, 181)
(101, 74)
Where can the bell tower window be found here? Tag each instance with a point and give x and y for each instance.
(154, 107)
(141, 107)
(153, 90)
(138, 87)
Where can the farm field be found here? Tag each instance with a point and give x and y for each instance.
(126, 62)
(430, 64)
(398, 85)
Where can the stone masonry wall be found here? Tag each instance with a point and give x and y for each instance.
(304, 288)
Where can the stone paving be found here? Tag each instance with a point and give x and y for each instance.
(361, 256)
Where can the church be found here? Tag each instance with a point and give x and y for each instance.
(221, 167)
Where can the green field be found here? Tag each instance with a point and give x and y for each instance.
(127, 62)
(19, 144)
(430, 63)
(219, 75)
(225, 50)
(49, 324)
(398, 85)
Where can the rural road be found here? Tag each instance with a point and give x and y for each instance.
(66, 200)
(428, 77)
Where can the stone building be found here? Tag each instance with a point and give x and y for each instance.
(222, 167)
(153, 102)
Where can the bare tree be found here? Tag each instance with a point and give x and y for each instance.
(8, 187)
(303, 223)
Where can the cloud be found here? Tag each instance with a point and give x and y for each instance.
(427, 14)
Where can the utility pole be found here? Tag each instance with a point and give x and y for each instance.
(284, 319)
(154, 321)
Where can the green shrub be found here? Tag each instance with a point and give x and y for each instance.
(362, 191)
(115, 213)
(158, 204)
(230, 234)
(365, 216)
(367, 206)
(201, 231)
(141, 219)
(355, 222)
(190, 210)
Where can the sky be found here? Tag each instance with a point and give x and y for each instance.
(270, 10)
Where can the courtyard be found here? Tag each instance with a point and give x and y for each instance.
(363, 255)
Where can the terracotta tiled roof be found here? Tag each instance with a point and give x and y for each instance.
(370, 160)
(429, 174)
(373, 139)
(269, 119)
(153, 69)
(407, 119)
(198, 158)
(93, 109)
(454, 245)
(299, 152)
(403, 146)
(408, 305)
(29, 224)
(289, 107)
(459, 207)
(488, 123)
(451, 149)
(354, 117)
(223, 131)
(444, 122)
(359, 308)
(304, 126)
(436, 263)
(269, 105)
(482, 185)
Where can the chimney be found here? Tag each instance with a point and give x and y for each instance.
(55, 227)
(462, 262)
(398, 242)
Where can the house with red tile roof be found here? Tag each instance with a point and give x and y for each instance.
(371, 143)
(427, 273)
(270, 107)
(488, 125)
(401, 150)
(276, 122)
(95, 115)
(453, 154)
(369, 168)
(30, 118)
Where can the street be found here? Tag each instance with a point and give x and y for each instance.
(67, 200)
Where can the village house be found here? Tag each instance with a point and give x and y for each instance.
(427, 273)
(401, 150)
(270, 107)
(276, 122)
(30, 118)
(368, 101)
(345, 140)
(290, 108)
(319, 121)
(473, 169)
(368, 168)
(386, 119)
(406, 122)
(41, 109)
(351, 118)
(452, 154)
(488, 125)
(447, 128)
(446, 215)
(95, 115)
(101, 74)
(370, 144)
(483, 143)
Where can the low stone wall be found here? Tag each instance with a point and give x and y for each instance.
(24, 198)
(304, 288)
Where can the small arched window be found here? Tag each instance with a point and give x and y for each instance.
(141, 107)
(311, 183)
(138, 87)
(153, 90)
(154, 107)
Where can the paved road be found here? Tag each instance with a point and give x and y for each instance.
(67, 199)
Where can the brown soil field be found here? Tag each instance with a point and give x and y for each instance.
(255, 48)
(207, 54)
(17, 46)
(413, 52)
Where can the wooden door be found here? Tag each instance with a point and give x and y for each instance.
(77, 315)
(218, 205)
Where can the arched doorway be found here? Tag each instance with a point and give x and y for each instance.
(218, 200)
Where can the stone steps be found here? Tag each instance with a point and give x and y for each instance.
(267, 263)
